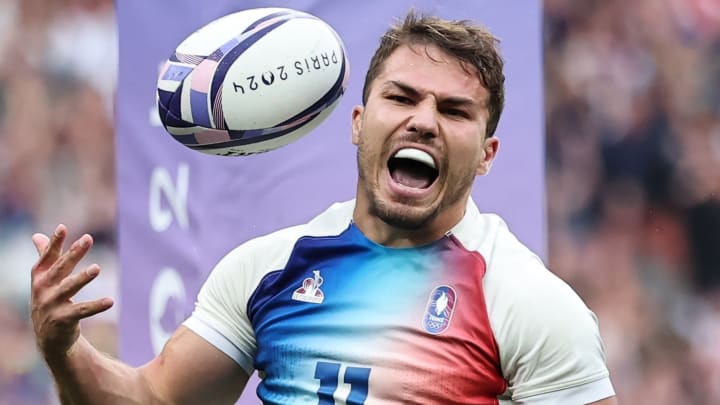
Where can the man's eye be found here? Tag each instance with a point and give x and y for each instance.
(456, 112)
(400, 99)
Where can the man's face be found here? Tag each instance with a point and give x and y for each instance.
(421, 137)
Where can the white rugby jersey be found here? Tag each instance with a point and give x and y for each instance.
(327, 316)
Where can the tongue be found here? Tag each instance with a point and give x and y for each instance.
(412, 175)
(410, 179)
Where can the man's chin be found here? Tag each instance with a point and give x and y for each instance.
(403, 216)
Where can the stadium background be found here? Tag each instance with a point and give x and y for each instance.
(632, 109)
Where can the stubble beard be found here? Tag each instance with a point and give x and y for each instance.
(403, 217)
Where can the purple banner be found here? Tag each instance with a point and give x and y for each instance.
(180, 211)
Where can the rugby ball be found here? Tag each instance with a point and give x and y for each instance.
(252, 81)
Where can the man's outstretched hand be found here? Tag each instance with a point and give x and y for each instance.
(55, 316)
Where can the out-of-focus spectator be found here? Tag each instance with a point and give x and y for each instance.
(633, 174)
(58, 67)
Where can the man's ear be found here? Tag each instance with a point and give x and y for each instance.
(489, 150)
(357, 116)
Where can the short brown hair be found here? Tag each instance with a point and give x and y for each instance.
(472, 44)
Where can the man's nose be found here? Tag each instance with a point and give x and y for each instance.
(423, 119)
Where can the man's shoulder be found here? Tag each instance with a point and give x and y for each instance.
(488, 234)
(272, 250)
(536, 317)
(332, 221)
(335, 218)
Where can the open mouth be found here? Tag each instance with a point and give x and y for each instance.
(413, 168)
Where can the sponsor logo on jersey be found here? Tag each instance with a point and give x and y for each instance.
(439, 310)
(310, 290)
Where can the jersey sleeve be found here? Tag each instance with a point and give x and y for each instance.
(220, 315)
(548, 339)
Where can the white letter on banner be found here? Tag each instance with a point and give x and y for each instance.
(168, 285)
(176, 196)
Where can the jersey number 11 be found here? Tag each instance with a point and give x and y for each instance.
(329, 374)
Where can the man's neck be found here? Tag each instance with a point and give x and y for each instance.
(382, 233)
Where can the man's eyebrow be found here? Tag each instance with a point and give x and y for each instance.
(413, 92)
(406, 88)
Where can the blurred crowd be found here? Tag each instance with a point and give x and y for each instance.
(632, 98)
(633, 178)
(58, 70)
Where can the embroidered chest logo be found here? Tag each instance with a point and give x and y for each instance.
(310, 290)
(439, 310)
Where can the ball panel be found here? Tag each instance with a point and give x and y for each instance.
(199, 108)
(166, 116)
(217, 111)
(186, 58)
(285, 14)
(265, 145)
(213, 35)
(296, 62)
(212, 136)
(182, 96)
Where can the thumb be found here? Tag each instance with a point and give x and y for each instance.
(41, 242)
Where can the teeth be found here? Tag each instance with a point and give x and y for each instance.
(417, 155)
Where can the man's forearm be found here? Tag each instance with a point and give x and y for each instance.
(88, 377)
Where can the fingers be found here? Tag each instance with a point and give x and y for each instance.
(67, 262)
(49, 252)
(69, 286)
(40, 241)
(54, 249)
(87, 309)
